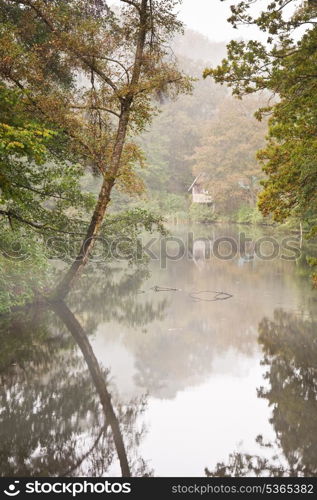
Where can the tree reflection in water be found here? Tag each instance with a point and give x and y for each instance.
(289, 344)
(58, 418)
(112, 294)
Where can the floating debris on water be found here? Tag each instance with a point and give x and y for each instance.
(200, 296)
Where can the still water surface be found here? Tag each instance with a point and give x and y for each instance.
(193, 383)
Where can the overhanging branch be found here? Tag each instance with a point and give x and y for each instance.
(134, 4)
(40, 227)
(96, 108)
(90, 63)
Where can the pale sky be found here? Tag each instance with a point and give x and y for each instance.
(209, 17)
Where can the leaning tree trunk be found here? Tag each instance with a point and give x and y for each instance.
(88, 243)
(110, 176)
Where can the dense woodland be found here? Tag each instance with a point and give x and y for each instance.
(203, 132)
(108, 114)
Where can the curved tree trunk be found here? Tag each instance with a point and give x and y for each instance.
(99, 212)
(111, 172)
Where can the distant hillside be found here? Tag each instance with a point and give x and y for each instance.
(194, 45)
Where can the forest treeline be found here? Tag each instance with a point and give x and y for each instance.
(207, 131)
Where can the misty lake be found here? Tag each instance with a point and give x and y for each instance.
(196, 378)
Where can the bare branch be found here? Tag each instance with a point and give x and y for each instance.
(134, 4)
(41, 193)
(116, 62)
(284, 5)
(96, 108)
(40, 227)
(10, 215)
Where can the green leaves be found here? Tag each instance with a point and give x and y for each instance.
(287, 67)
(20, 136)
(86, 77)
(23, 268)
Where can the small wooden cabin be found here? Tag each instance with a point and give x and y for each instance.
(199, 192)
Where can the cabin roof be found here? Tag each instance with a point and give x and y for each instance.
(202, 176)
(195, 181)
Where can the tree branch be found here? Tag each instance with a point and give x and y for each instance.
(10, 215)
(44, 113)
(35, 225)
(82, 57)
(41, 193)
(134, 4)
(97, 108)
(116, 62)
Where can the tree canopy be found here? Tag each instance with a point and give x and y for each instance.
(286, 66)
(226, 154)
(89, 75)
